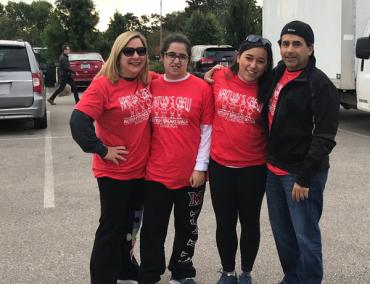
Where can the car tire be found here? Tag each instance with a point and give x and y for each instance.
(41, 122)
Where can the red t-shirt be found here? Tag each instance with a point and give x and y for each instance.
(121, 112)
(286, 78)
(238, 137)
(179, 108)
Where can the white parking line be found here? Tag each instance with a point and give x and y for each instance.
(49, 196)
(353, 133)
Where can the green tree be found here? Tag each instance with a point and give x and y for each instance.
(102, 45)
(16, 14)
(8, 29)
(78, 19)
(243, 17)
(194, 5)
(153, 44)
(217, 7)
(133, 22)
(117, 25)
(28, 21)
(40, 11)
(203, 29)
(19, 12)
(147, 25)
(175, 22)
(2, 10)
(154, 20)
(54, 36)
(39, 15)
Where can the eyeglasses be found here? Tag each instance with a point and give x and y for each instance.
(258, 39)
(172, 55)
(130, 51)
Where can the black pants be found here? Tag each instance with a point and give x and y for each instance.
(158, 202)
(237, 192)
(111, 254)
(64, 80)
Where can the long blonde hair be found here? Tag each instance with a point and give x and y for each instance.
(110, 68)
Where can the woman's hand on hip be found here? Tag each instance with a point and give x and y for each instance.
(116, 154)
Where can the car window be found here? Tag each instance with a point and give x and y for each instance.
(209, 53)
(220, 52)
(85, 56)
(14, 58)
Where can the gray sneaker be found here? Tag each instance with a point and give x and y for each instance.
(245, 278)
(183, 281)
(228, 278)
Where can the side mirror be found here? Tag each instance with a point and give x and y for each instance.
(363, 48)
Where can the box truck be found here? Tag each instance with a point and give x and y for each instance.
(342, 41)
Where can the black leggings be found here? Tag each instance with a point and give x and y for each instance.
(237, 191)
(111, 254)
(158, 203)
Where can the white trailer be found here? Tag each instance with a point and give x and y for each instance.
(338, 25)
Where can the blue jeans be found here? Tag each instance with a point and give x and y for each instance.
(295, 226)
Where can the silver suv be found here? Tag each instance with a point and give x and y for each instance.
(22, 90)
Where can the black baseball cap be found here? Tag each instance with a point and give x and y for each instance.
(300, 29)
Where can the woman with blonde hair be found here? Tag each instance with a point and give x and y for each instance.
(119, 102)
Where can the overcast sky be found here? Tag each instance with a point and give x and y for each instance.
(106, 8)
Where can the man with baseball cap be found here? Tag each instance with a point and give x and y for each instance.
(303, 119)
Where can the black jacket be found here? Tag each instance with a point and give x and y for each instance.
(305, 123)
(64, 66)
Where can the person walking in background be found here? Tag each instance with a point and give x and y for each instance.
(303, 120)
(181, 117)
(119, 101)
(237, 170)
(65, 76)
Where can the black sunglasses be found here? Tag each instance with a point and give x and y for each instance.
(258, 39)
(130, 51)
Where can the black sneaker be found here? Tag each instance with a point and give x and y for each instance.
(51, 102)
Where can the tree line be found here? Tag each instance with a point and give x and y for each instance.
(74, 22)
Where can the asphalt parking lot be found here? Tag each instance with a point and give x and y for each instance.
(49, 208)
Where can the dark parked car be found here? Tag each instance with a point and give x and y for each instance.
(48, 69)
(204, 57)
(22, 90)
(86, 65)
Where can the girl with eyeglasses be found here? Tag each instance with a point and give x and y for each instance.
(181, 117)
(237, 170)
(119, 102)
